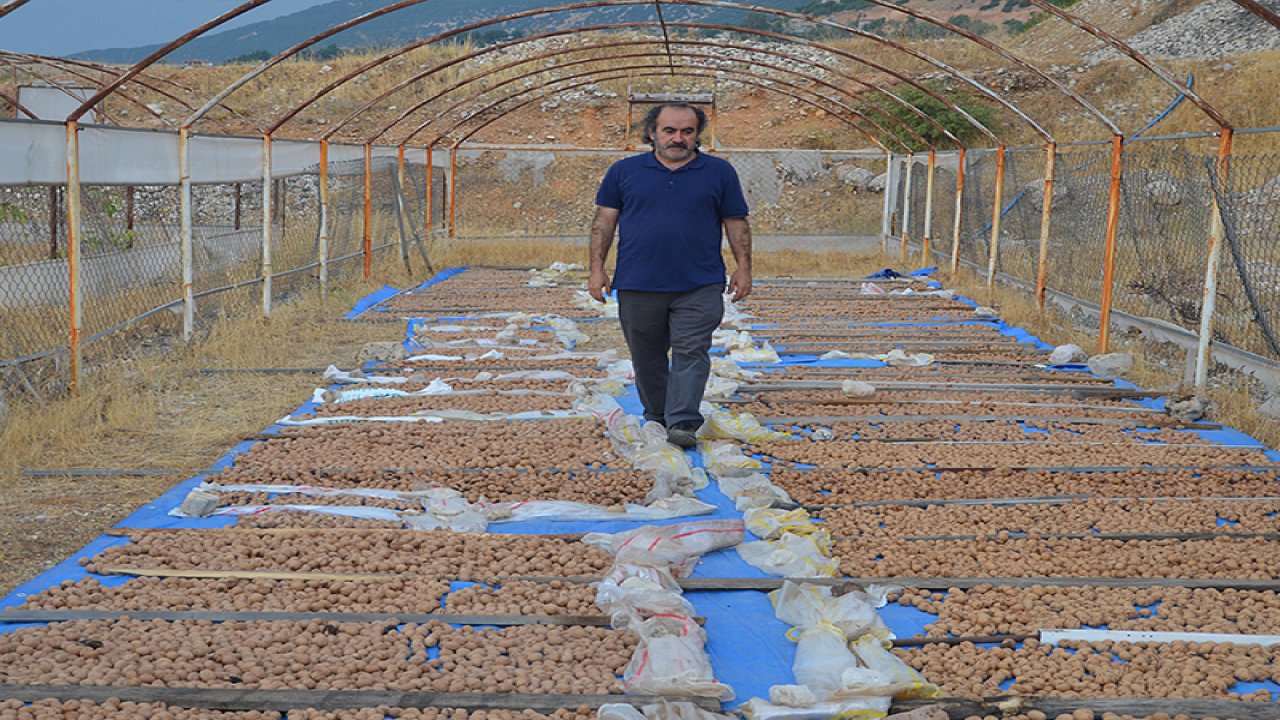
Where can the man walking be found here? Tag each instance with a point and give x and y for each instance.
(669, 207)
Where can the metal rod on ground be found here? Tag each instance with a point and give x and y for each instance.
(955, 230)
(74, 301)
(1046, 217)
(266, 224)
(184, 210)
(926, 241)
(906, 207)
(1216, 237)
(368, 210)
(322, 249)
(1109, 254)
(993, 257)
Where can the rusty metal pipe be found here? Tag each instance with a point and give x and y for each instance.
(997, 214)
(928, 209)
(906, 206)
(323, 244)
(184, 211)
(268, 227)
(886, 216)
(1046, 220)
(1260, 10)
(1109, 252)
(430, 193)
(956, 220)
(75, 299)
(453, 189)
(1217, 236)
(368, 211)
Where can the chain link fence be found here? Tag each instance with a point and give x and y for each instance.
(1166, 195)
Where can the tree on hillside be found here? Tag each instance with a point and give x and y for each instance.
(943, 115)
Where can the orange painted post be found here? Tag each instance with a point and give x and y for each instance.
(368, 210)
(267, 226)
(1109, 253)
(323, 245)
(1046, 219)
(993, 257)
(1217, 234)
(453, 188)
(906, 207)
(928, 209)
(74, 305)
(955, 230)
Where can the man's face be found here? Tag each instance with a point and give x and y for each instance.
(676, 135)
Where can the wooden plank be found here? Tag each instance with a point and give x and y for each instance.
(1092, 536)
(252, 699)
(26, 616)
(1045, 500)
(960, 708)
(136, 532)
(1076, 390)
(873, 401)
(1050, 468)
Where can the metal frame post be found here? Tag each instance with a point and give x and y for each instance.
(1046, 221)
(368, 210)
(955, 229)
(322, 249)
(402, 213)
(993, 256)
(74, 306)
(1217, 234)
(268, 227)
(1109, 253)
(184, 211)
(886, 218)
(928, 209)
(906, 206)
(453, 189)
(430, 193)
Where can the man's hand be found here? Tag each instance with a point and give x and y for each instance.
(598, 284)
(740, 283)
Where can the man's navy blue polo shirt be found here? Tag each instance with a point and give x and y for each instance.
(669, 227)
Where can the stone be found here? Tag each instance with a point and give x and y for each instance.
(199, 503)
(877, 184)
(1271, 408)
(1163, 193)
(1188, 407)
(984, 311)
(1111, 364)
(1069, 353)
(855, 177)
(381, 352)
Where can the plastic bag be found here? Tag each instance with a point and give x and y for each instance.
(792, 555)
(822, 658)
(668, 545)
(639, 597)
(770, 524)
(751, 490)
(604, 407)
(670, 660)
(897, 357)
(726, 368)
(726, 458)
(896, 677)
(719, 387)
(763, 354)
(723, 425)
(853, 613)
(847, 709)
(658, 711)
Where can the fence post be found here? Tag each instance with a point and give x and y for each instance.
(430, 227)
(886, 218)
(1217, 231)
(74, 301)
(1109, 255)
(928, 209)
(267, 226)
(1046, 218)
(906, 206)
(453, 188)
(955, 230)
(993, 256)
(401, 211)
(184, 211)
(368, 210)
(323, 249)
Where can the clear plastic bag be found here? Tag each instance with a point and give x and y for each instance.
(638, 597)
(722, 458)
(723, 425)
(853, 613)
(751, 490)
(822, 658)
(668, 545)
(792, 555)
(670, 660)
(898, 679)
(770, 524)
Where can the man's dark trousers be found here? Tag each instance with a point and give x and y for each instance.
(652, 323)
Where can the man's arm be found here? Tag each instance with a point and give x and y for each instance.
(739, 232)
(602, 229)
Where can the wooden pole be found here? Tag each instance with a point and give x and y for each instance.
(1109, 252)
(956, 224)
(993, 256)
(1217, 234)
(1046, 219)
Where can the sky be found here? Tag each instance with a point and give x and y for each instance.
(64, 27)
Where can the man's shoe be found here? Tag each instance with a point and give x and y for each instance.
(684, 434)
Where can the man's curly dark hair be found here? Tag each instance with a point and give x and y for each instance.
(650, 124)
